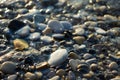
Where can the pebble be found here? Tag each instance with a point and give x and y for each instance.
(38, 75)
(58, 36)
(47, 31)
(74, 63)
(58, 57)
(60, 72)
(73, 55)
(38, 18)
(55, 78)
(56, 26)
(87, 56)
(93, 66)
(12, 77)
(100, 31)
(84, 68)
(79, 31)
(92, 60)
(23, 32)
(8, 67)
(113, 65)
(30, 76)
(46, 39)
(51, 74)
(79, 39)
(34, 36)
(41, 26)
(67, 25)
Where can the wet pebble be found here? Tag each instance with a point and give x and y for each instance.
(12, 77)
(34, 36)
(30, 76)
(58, 36)
(60, 72)
(67, 25)
(58, 57)
(8, 67)
(56, 26)
(113, 65)
(87, 56)
(55, 78)
(79, 39)
(46, 39)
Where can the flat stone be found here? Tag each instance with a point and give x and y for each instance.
(46, 39)
(67, 25)
(38, 18)
(8, 67)
(58, 57)
(58, 36)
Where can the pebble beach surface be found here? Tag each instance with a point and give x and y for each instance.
(59, 40)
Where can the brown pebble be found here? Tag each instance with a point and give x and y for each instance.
(93, 66)
(113, 65)
(42, 65)
(79, 39)
(73, 55)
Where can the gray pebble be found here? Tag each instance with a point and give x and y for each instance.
(58, 36)
(34, 36)
(46, 39)
(58, 57)
(56, 26)
(100, 31)
(71, 76)
(8, 67)
(40, 26)
(67, 25)
(12, 77)
(37, 18)
(87, 56)
(23, 32)
(92, 60)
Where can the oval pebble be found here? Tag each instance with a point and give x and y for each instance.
(12, 77)
(8, 67)
(58, 57)
(56, 26)
(46, 39)
(58, 36)
(113, 65)
(30, 76)
(34, 36)
(87, 56)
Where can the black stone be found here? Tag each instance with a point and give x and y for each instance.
(28, 60)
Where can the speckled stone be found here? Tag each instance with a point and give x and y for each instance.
(8, 67)
(58, 57)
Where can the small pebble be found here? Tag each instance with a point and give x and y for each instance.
(79, 39)
(67, 25)
(30, 76)
(60, 72)
(34, 36)
(87, 56)
(12, 77)
(55, 78)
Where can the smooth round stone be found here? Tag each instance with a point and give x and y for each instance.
(67, 25)
(93, 66)
(58, 57)
(55, 78)
(38, 18)
(79, 31)
(23, 32)
(30, 76)
(41, 26)
(58, 36)
(8, 67)
(113, 65)
(73, 55)
(56, 26)
(38, 75)
(71, 76)
(12, 77)
(60, 72)
(34, 36)
(100, 31)
(47, 31)
(46, 39)
(79, 39)
(87, 56)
